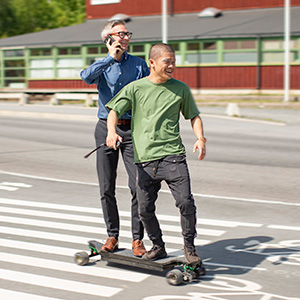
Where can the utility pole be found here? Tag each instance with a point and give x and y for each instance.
(287, 22)
(164, 21)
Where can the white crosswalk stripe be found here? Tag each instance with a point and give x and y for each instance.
(31, 238)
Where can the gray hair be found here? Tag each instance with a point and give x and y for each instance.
(109, 26)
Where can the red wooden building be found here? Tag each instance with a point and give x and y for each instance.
(240, 46)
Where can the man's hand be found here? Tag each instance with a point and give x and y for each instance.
(202, 149)
(111, 140)
(115, 50)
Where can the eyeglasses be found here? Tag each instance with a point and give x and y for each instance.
(122, 34)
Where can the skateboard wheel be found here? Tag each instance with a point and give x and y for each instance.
(174, 277)
(81, 258)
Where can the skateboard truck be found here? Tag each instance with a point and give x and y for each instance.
(82, 258)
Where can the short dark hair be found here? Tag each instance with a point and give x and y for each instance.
(157, 49)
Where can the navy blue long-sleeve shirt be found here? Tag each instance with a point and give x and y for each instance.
(111, 76)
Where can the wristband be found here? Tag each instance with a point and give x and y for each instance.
(202, 140)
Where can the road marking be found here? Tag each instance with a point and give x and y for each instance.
(262, 201)
(169, 218)
(83, 228)
(279, 123)
(6, 294)
(13, 244)
(12, 186)
(17, 184)
(70, 238)
(248, 200)
(97, 220)
(72, 268)
(59, 284)
(8, 188)
(234, 266)
(284, 227)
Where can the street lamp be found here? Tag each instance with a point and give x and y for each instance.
(164, 21)
(286, 50)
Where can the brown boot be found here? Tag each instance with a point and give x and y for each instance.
(110, 245)
(138, 248)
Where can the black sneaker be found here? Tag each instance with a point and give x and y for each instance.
(191, 254)
(155, 253)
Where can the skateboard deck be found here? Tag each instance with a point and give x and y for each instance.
(179, 269)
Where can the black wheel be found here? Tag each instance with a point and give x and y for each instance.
(81, 258)
(174, 277)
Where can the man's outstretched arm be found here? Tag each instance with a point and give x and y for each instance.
(197, 126)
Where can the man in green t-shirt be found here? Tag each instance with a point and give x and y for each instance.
(156, 102)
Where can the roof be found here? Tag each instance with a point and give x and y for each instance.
(238, 23)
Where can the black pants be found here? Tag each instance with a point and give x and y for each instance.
(107, 163)
(173, 169)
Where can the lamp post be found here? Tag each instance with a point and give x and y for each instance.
(286, 50)
(164, 21)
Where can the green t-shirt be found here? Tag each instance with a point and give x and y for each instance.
(155, 116)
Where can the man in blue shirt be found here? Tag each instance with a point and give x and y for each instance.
(111, 74)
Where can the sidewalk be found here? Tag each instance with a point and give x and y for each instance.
(289, 115)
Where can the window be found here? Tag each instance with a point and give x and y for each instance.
(201, 53)
(93, 50)
(243, 57)
(273, 51)
(193, 46)
(14, 70)
(239, 51)
(209, 46)
(69, 62)
(231, 45)
(278, 57)
(137, 48)
(69, 51)
(41, 68)
(14, 53)
(41, 52)
(69, 67)
(14, 73)
(14, 63)
(198, 58)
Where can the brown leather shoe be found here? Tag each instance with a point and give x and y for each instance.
(138, 248)
(110, 245)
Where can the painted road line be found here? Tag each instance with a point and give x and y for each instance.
(116, 274)
(262, 201)
(6, 294)
(17, 184)
(71, 238)
(59, 284)
(234, 266)
(84, 209)
(8, 188)
(297, 228)
(96, 220)
(82, 228)
(17, 244)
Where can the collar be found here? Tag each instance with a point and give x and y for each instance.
(124, 57)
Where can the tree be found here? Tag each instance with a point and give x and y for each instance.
(25, 16)
(8, 21)
(69, 12)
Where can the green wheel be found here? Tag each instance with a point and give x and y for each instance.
(81, 258)
(174, 277)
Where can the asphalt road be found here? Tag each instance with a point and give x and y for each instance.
(246, 190)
